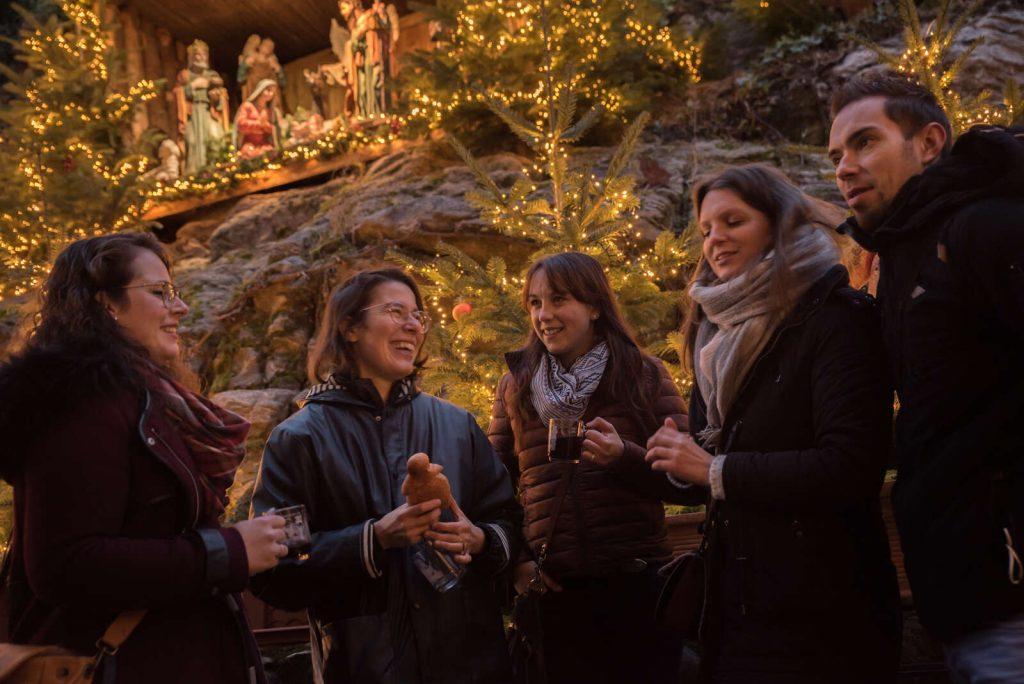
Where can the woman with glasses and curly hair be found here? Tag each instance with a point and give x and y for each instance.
(120, 473)
(344, 456)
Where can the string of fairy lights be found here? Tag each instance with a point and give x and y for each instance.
(579, 26)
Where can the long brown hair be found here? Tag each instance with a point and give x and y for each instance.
(332, 353)
(71, 317)
(581, 276)
(787, 208)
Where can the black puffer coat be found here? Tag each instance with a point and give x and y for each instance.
(801, 584)
(951, 290)
(374, 618)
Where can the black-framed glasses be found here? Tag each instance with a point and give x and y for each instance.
(399, 314)
(168, 292)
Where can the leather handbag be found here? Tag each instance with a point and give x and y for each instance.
(681, 601)
(23, 664)
(525, 634)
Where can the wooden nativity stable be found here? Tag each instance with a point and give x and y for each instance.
(154, 35)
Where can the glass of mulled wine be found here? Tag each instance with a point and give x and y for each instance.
(565, 440)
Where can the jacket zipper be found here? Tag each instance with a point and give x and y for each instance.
(195, 485)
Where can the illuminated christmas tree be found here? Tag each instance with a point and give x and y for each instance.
(69, 169)
(926, 59)
(554, 206)
(492, 49)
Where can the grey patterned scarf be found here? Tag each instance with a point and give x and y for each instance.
(560, 393)
(739, 319)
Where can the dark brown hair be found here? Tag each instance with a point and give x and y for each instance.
(909, 104)
(787, 208)
(71, 316)
(581, 276)
(332, 353)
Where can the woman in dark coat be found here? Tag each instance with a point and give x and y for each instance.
(790, 420)
(600, 572)
(344, 456)
(120, 474)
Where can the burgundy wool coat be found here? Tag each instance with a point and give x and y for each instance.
(106, 518)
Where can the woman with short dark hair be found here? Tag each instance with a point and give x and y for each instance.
(790, 414)
(344, 455)
(120, 473)
(598, 526)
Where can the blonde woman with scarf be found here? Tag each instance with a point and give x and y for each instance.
(790, 418)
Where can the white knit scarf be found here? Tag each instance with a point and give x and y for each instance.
(739, 318)
(559, 393)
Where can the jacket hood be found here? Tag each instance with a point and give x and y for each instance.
(40, 386)
(987, 161)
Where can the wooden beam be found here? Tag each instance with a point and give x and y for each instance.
(133, 67)
(272, 179)
(169, 68)
(159, 115)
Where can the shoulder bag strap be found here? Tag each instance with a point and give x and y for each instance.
(563, 489)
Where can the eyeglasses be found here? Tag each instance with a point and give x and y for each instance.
(399, 314)
(168, 292)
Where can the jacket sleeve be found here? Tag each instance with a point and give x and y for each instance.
(499, 433)
(986, 250)
(75, 496)
(632, 468)
(343, 568)
(494, 508)
(851, 400)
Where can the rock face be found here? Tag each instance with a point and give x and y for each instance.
(264, 409)
(785, 96)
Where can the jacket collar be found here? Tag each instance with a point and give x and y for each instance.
(811, 301)
(359, 392)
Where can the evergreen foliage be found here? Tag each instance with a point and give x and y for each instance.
(927, 60)
(556, 206)
(68, 169)
(488, 49)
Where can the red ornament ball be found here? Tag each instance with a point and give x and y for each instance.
(461, 310)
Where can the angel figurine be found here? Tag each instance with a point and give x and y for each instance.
(257, 63)
(333, 86)
(202, 107)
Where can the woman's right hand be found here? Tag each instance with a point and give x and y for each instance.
(407, 524)
(524, 574)
(262, 537)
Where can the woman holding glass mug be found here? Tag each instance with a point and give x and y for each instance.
(791, 412)
(120, 473)
(581, 363)
(343, 456)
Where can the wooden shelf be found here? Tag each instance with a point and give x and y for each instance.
(272, 179)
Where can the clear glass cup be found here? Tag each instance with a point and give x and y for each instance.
(565, 440)
(296, 530)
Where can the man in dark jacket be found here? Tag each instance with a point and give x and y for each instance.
(948, 224)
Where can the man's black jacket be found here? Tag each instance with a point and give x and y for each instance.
(951, 290)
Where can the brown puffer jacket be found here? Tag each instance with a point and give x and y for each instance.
(610, 516)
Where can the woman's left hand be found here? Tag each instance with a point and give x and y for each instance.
(461, 538)
(602, 445)
(675, 452)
